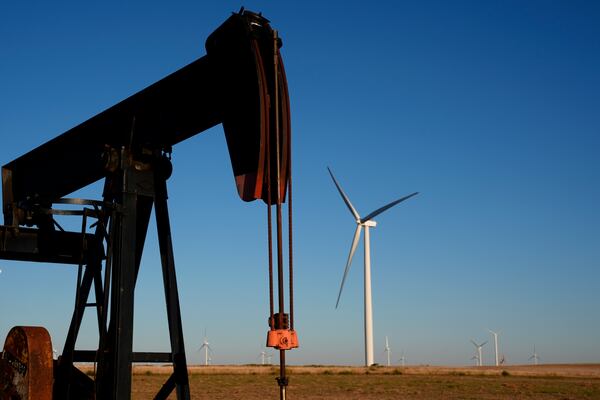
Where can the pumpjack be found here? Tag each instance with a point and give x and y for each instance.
(241, 84)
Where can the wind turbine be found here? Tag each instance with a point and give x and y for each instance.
(262, 356)
(479, 346)
(265, 358)
(476, 358)
(535, 356)
(387, 350)
(366, 222)
(495, 345)
(402, 359)
(207, 348)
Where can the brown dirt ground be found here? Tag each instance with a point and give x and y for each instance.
(255, 382)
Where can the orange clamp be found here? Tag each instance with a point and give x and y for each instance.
(282, 339)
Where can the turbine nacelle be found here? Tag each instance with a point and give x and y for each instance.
(369, 223)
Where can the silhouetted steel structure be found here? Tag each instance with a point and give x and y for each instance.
(240, 83)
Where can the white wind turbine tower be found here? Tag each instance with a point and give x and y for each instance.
(479, 346)
(265, 358)
(495, 345)
(402, 359)
(207, 348)
(535, 356)
(387, 350)
(366, 222)
(263, 355)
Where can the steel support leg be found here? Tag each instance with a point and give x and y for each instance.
(130, 224)
(121, 336)
(64, 377)
(171, 294)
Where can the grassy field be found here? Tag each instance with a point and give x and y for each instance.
(258, 382)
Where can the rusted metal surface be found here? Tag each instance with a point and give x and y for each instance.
(26, 367)
(282, 339)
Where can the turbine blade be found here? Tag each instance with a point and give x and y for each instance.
(346, 199)
(483, 344)
(474, 344)
(390, 205)
(349, 262)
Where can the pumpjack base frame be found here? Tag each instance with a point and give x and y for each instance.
(109, 262)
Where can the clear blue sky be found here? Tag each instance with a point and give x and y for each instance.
(489, 109)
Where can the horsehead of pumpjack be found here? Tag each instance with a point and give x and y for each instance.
(255, 104)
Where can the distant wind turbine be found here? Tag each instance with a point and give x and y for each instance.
(479, 346)
(495, 345)
(366, 222)
(207, 348)
(387, 350)
(402, 359)
(265, 358)
(262, 355)
(476, 358)
(535, 356)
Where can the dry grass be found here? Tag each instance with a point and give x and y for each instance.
(544, 370)
(415, 382)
